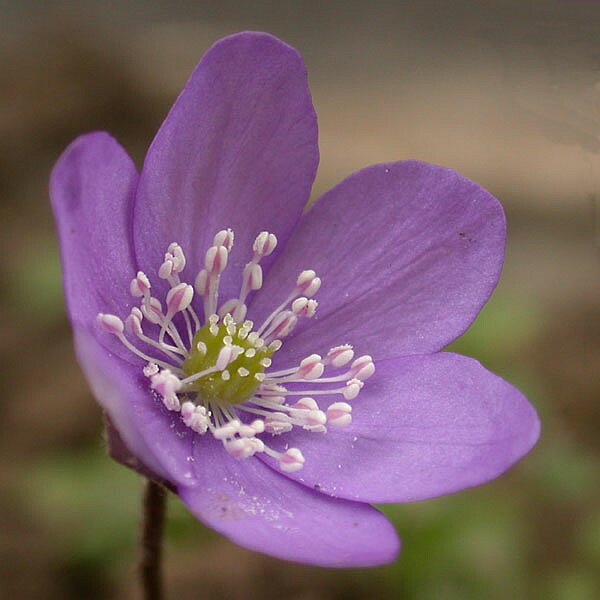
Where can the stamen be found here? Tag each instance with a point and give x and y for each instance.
(195, 417)
(151, 309)
(140, 285)
(215, 262)
(281, 326)
(307, 285)
(177, 257)
(303, 307)
(133, 324)
(199, 375)
(112, 324)
(150, 369)
(178, 299)
(349, 391)
(339, 356)
(221, 371)
(278, 423)
(264, 244)
(338, 414)
(291, 460)
(224, 238)
(167, 385)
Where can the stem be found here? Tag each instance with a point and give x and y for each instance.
(150, 571)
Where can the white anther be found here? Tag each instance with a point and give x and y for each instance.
(227, 355)
(276, 400)
(352, 389)
(313, 288)
(224, 238)
(240, 447)
(179, 297)
(308, 283)
(299, 304)
(225, 375)
(339, 356)
(201, 347)
(306, 403)
(228, 430)
(291, 460)
(166, 268)
(254, 275)
(167, 385)
(275, 345)
(305, 278)
(258, 425)
(150, 369)
(303, 307)
(133, 323)
(264, 244)
(110, 323)
(308, 412)
(201, 283)
(195, 417)
(215, 260)
(139, 285)
(153, 311)
(314, 420)
(362, 368)
(265, 362)
(257, 444)
(243, 372)
(251, 352)
(338, 414)
(277, 423)
(177, 257)
(311, 367)
(246, 431)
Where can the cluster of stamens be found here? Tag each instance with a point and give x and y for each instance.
(214, 371)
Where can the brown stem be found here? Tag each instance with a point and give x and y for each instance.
(150, 569)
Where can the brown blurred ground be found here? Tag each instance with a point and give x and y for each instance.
(506, 93)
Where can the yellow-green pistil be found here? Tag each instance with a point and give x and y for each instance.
(242, 376)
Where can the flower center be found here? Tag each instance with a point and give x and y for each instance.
(215, 371)
(250, 357)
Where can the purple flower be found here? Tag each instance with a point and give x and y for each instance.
(280, 431)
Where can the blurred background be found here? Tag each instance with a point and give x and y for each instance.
(508, 93)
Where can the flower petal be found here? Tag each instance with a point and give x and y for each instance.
(238, 149)
(264, 511)
(153, 435)
(408, 254)
(423, 426)
(92, 188)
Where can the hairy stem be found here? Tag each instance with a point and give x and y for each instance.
(150, 569)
